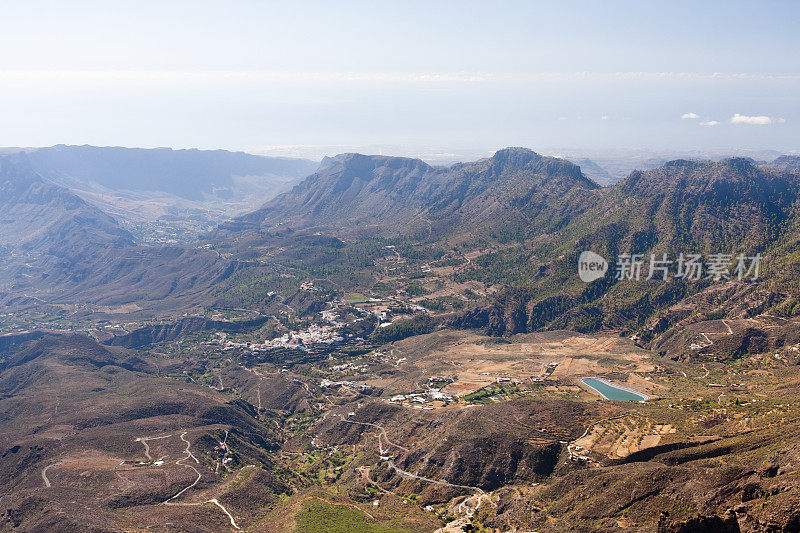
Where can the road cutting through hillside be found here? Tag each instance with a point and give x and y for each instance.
(189, 455)
(708, 340)
(230, 516)
(407, 474)
(380, 428)
(180, 461)
(144, 440)
(69, 461)
(482, 495)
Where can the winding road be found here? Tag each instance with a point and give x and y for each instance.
(709, 341)
(187, 455)
(481, 494)
(382, 432)
(144, 440)
(59, 463)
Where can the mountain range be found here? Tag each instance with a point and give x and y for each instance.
(164, 195)
(541, 211)
(190, 174)
(54, 242)
(379, 195)
(40, 218)
(787, 163)
(452, 337)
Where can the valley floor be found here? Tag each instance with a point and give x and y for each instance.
(450, 429)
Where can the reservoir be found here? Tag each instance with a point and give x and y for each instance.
(613, 392)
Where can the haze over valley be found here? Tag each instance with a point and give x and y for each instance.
(415, 268)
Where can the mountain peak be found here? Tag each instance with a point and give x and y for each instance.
(376, 194)
(357, 159)
(349, 169)
(684, 164)
(786, 163)
(741, 164)
(515, 156)
(699, 176)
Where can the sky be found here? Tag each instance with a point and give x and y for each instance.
(312, 78)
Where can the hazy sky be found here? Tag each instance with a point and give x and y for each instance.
(435, 75)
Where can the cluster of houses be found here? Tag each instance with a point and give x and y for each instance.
(350, 367)
(315, 334)
(419, 399)
(327, 332)
(432, 394)
(356, 386)
(575, 454)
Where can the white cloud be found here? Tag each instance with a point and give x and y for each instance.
(759, 120)
(604, 117)
(691, 116)
(709, 123)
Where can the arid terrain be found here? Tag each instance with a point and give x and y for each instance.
(429, 376)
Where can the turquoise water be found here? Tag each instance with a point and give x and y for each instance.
(612, 392)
